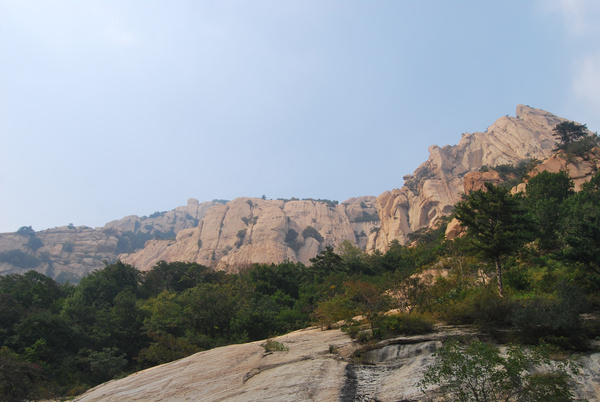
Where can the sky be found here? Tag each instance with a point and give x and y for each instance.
(124, 107)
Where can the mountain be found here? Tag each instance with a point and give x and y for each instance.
(227, 235)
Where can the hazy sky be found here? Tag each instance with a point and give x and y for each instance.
(114, 108)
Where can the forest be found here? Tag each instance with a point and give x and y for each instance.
(526, 271)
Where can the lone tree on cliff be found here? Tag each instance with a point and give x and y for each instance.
(496, 223)
(568, 132)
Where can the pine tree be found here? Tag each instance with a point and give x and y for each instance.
(497, 225)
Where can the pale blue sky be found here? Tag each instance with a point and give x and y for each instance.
(113, 108)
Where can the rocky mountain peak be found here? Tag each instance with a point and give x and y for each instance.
(437, 184)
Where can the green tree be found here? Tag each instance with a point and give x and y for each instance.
(497, 224)
(568, 132)
(582, 229)
(101, 287)
(26, 231)
(17, 377)
(575, 139)
(326, 261)
(367, 300)
(545, 198)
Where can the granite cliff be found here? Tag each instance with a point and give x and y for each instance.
(250, 230)
(70, 252)
(227, 235)
(437, 184)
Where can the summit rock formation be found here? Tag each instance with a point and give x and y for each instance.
(437, 184)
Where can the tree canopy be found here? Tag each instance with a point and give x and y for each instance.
(496, 222)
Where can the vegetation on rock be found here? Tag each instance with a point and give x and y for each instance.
(479, 372)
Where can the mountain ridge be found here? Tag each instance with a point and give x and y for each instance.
(228, 235)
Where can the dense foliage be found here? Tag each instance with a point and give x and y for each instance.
(60, 339)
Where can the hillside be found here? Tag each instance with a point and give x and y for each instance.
(227, 235)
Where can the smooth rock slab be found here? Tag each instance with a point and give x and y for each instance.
(306, 372)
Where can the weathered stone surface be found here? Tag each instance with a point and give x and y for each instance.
(67, 252)
(454, 229)
(579, 169)
(169, 221)
(474, 181)
(251, 230)
(435, 186)
(306, 372)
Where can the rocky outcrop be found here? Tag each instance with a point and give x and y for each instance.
(250, 230)
(306, 372)
(580, 169)
(68, 253)
(316, 367)
(221, 234)
(435, 186)
(163, 222)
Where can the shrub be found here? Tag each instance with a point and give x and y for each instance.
(402, 324)
(478, 372)
(291, 239)
(34, 243)
(352, 328)
(367, 217)
(330, 311)
(481, 307)
(274, 346)
(19, 259)
(26, 231)
(552, 319)
(17, 377)
(241, 235)
(309, 231)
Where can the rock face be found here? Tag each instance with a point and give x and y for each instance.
(68, 253)
(307, 372)
(225, 235)
(435, 186)
(250, 230)
(580, 169)
(315, 368)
